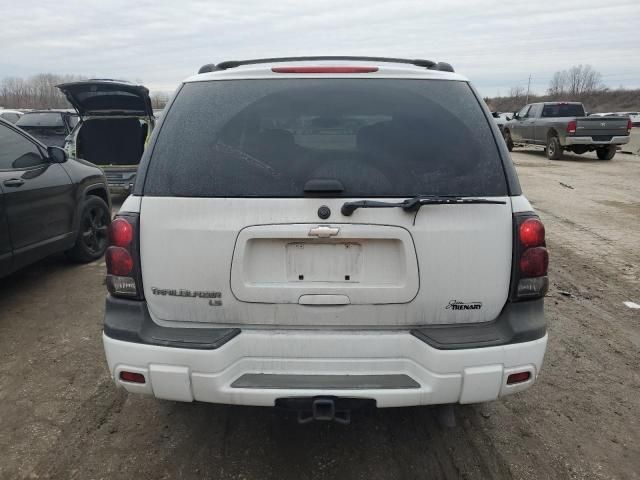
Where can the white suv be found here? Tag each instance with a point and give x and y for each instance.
(323, 232)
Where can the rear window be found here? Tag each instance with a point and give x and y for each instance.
(377, 137)
(10, 116)
(563, 110)
(46, 120)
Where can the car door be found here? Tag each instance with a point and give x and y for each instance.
(38, 198)
(529, 122)
(5, 240)
(517, 128)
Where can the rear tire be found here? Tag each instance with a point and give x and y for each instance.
(508, 140)
(606, 153)
(554, 150)
(92, 238)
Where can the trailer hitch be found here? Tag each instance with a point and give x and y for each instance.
(324, 409)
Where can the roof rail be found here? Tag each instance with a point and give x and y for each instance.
(211, 67)
(443, 67)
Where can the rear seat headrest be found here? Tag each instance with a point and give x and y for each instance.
(278, 138)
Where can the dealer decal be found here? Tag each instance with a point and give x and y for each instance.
(456, 305)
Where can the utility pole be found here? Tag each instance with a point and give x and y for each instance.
(528, 87)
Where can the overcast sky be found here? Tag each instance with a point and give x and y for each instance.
(495, 43)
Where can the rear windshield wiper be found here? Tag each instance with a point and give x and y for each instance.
(414, 204)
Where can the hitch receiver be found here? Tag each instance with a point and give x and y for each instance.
(324, 410)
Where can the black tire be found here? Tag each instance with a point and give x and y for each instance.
(554, 150)
(507, 139)
(93, 231)
(606, 153)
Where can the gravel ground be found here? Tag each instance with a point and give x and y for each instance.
(61, 417)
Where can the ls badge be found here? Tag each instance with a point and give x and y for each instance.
(215, 298)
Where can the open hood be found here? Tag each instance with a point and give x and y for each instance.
(108, 97)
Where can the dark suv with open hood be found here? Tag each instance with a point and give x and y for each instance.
(116, 123)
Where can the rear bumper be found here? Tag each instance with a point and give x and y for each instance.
(615, 140)
(120, 180)
(257, 367)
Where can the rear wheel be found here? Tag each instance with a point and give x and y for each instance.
(606, 153)
(554, 150)
(92, 238)
(508, 140)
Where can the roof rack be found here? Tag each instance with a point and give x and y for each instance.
(212, 67)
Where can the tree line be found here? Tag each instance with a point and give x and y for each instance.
(576, 82)
(580, 83)
(571, 84)
(40, 92)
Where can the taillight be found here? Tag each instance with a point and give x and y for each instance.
(123, 263)
(119, 261)
(629, 126)
(571, 126)
(321, 69)
(531, 232)
(530, 258)
(534, 262)
(120, 233)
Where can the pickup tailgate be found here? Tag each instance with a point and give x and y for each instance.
(601, 126)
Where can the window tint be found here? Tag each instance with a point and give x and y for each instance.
(535, 111)
(45, 119)
(16, 152)
(563, 110)
(267, 138)
(10, 116)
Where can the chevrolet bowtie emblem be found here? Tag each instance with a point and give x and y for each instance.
(323, 231)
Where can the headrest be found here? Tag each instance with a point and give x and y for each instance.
(277, 138)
